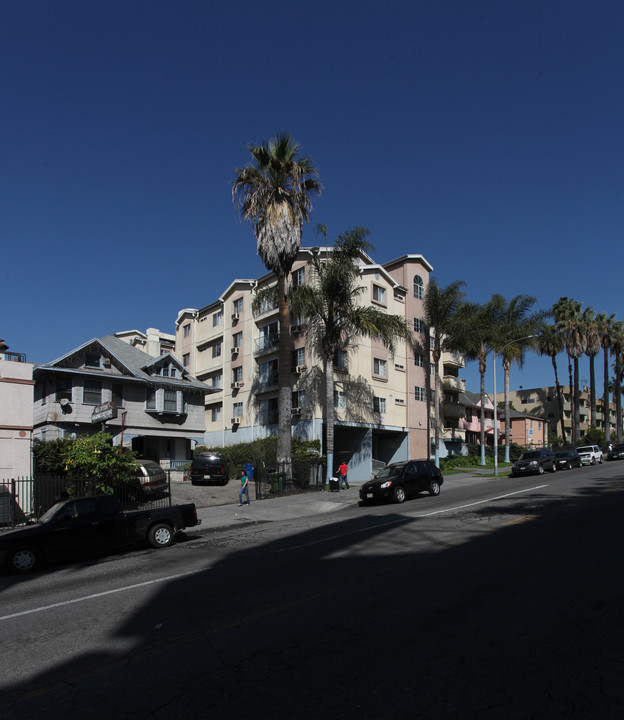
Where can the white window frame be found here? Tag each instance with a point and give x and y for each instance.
(379, 294)
(380, 367)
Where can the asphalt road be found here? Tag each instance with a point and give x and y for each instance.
(498, 599)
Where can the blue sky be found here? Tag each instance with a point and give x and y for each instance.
(487, 136)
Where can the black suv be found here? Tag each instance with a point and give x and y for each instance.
(209, 468)
(534, 462)
(401, 480)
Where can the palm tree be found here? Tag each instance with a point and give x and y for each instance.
(477, 341)
(274, 192)
(605, 327)
(569, 321)
(335, 316)
(593, 344)
(441, 306)
(550, 342)
(517, 326)
(617, 348)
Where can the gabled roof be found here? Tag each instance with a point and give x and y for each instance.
(135, 362)
(470, 399)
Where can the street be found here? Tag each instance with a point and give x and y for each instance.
(496, 600)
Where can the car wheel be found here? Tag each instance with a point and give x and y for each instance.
(554, 467)
(23, 559)
(593, 461)
(434, 487)
(540, 470)
(398, 496)
(160, 535)
(600, 460)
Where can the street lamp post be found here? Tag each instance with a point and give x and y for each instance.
(511, 342)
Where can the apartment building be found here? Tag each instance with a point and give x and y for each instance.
(543, 403)
(381, 401)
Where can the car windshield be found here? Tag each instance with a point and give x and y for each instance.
(584, 449)
(562, 454)
(618, 448)
(530, 455)
(48, 513)
(390, 471)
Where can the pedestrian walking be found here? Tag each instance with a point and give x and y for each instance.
(343, 469)
(244, 489)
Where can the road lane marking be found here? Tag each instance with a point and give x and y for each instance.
(94, 596)
(406, 519)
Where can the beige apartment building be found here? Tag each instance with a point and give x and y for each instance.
(542, 402)
(381, 401)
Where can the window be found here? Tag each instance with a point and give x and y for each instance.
(299, 399)
(340, 399)
(237, 374)
(420, 393)
(419, 360)
(216, 380)
(186, 359)
(419, 325)
(298, 356)
(150, 399)
(92, 392)
(269, 373)
(379, 294)
(117, 394)
(237, 409)
(237, 339)
(379, 367)
(431, 343)
(340, 361)
(63, 389)
(170, 403)
(237, 305)
(215, 413)
(298, 277)
(432, 368)
(379, 405)
(186, 330)
(418, 287)
(217, 318)
(216, 350)
(92, 360)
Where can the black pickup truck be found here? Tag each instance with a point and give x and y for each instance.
(88, 526)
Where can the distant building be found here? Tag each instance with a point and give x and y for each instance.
(16, 418)
(151, 404)
(153, 342)
(526, 429)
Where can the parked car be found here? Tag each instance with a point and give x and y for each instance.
(398, 481)
(616, 453)
(590, 454)
(209, 468)
(534, 462)
(567, 459)
(151, 478)
(87, 526)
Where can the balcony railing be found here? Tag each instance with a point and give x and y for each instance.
(13, 357)
(266, 343)
(453, 434)
(450, 382)
(454, 410)
(451, 358)
(268, 381)
(269, 417)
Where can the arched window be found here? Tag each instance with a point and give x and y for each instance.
(418, 287)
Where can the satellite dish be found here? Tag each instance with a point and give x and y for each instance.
(64, 402)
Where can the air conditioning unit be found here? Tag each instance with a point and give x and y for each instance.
(235, 351)
(300, 369)
(235, 317)
(296, 411)
(237, 385)
(236, 421)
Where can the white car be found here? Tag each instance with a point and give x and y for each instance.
(590, 454)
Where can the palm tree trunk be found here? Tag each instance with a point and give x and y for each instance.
(592, 391)
(572, 403)
(329, 416)
(577, 404)
(284, 432)
(605, 396)
(436, 410)
(559, 399)
(617, 391)
(482, 413)
(506, 368)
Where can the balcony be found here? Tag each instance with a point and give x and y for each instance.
(450, 383)
(269, 417)
(13, 357)
(453, 410)
(453, 434)
(268, 382)
(266, 343)
(453, 359)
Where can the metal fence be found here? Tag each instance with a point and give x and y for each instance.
(307, 476)
(25, 499)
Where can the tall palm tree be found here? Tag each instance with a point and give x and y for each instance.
(550, 342)
(440, 307)
(517, 325)
(274, 192)
(569, 321)
(593, 345)
(479, 339)
(335, 315)
(605, 327)
(617, 348)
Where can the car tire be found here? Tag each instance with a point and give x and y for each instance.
(593, 461)
(554, 467)
(398, 496)
(434, 488)
(160, 535)
(540, 470)
(23, 559)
